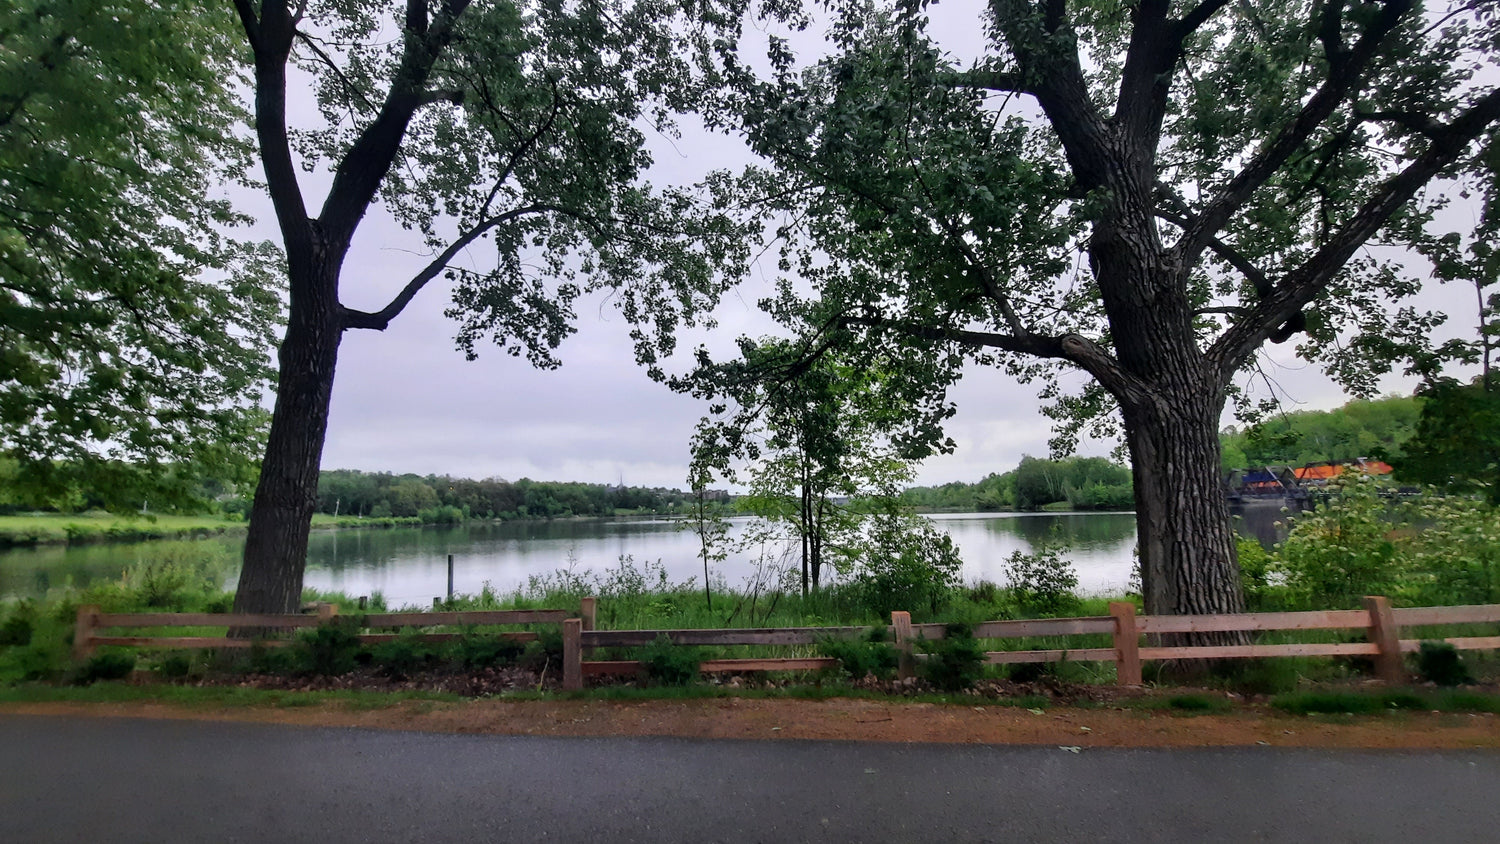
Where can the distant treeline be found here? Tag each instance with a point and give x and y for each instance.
(1084, 483)
(441, 499)
(1377, 428)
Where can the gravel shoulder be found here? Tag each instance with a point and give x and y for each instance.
(845, 719)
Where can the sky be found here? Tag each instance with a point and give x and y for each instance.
(405, 400)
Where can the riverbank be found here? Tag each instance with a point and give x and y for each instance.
(32, 529)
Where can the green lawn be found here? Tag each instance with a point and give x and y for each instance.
(97, 526)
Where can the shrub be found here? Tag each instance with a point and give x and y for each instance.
(1439, 662)
(669, 664)
(486, 650)
(870, 655)
(907, 565)
(17, 628)
(1042, 583)
(955, 662)
(330, 649)
(107, 665)
(404, 655)
(176, 664)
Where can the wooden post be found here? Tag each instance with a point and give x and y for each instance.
(588, 608)
(83, 632)
(1386, 635)
(364, 601)
(437, 603)
(901, 627)
(450, 577)
(572, 654)
(1127, 644)
(326, 612)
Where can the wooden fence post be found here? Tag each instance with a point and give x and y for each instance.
(83, 632)
(1127, 644)
(588, 607)
(901, 627)
(572, 654)
(1386, 635)
(326, 612)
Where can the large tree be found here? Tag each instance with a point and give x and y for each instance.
(516, 125)
(1145, 191)
(134, 330)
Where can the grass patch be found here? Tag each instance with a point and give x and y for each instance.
(1350, 703)
(208, 697)
(96, 526)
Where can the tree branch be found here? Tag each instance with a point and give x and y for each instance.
(1346, 67)
(381, 319)
(1300, 286)
(1197, 17)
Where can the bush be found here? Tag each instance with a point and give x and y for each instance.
(669, 664)
(871, 655)
(330, 649)
(18, 626)
(908, 565)
(176, 665)
(1042, 583)
(107, 665)
(404, 655)
(1439, 662)
(486, 650)
(955, 662)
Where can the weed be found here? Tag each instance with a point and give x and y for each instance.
(670, 664)
(1439, 662)
(486, 650)
(404, 655)
(330, 649)
(1349, 703)
(956, 661)
(17, 628)
(870, 655)
(176, 665)
(106, 665)
(1198, 703)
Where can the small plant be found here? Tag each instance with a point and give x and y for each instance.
(487, 650)
(955, 662)
(175, 665)
(870, 655)
(403, 656)
(1440, 663)
(330, 649)
(107, 665)
(1043, 583)
(669, 664)
(1198, 703)
(17, 628)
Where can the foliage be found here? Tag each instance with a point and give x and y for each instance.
(906, 564)
(403, 656)
(1439, 662)
(448, 499)
(328, 650)
(1361, 428)
(18, 625)
(1457, 441)
(106, 665)
(1341, 551)
(1042, 583)
(488, 650)
(134, 329)
(669, 664)
(870, 655)
(954, 662)
(1350, 703)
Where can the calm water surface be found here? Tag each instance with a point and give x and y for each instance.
(409, 565)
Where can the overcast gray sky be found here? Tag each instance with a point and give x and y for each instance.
(405, 401)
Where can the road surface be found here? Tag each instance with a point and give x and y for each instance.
(119, 780)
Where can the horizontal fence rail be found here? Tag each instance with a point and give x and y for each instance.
(1381, 624)
(90, 620)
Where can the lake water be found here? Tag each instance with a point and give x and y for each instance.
(409, 565)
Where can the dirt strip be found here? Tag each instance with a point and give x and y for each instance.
(846, 719)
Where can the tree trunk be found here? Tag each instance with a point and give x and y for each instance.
(1186, 540)
(276, 544)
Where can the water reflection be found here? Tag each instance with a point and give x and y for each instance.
(409, 565)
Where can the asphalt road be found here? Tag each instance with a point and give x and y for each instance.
(101, 780)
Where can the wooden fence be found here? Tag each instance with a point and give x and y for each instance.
(90, 621)
(1382, 626)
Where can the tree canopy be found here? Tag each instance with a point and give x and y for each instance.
(134, 329)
